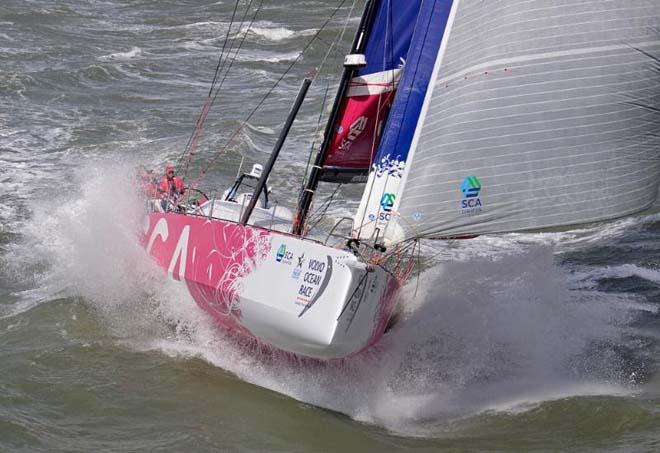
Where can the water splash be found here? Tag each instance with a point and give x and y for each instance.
(85, 243)
(485, 331)
(500, 333)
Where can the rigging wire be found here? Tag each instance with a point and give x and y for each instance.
(390, 27)
(338, 39)
(226, 72)
(316, 136)
(224, 148)
(317, 216)
(202, 115)
(222, 62)
(254, 16)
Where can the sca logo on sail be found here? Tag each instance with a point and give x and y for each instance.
(471, 203)
(387, 203)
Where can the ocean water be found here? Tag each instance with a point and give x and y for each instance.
(509, 343)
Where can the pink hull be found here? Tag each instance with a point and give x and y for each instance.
(295, 294)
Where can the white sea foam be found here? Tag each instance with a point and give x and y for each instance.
(271, 32)
(267, 56)
(122, 56)
(620, 271)
(203, 24)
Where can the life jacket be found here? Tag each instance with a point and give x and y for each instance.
(171, 187)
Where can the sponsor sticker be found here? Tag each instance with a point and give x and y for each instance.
(298, 269)
(471, 203)
(283, 255)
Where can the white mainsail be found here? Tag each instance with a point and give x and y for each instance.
(539, 115)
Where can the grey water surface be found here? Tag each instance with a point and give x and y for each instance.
(507, 343)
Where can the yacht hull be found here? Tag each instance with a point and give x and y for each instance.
(294, 294)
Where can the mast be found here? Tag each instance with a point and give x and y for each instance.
(349, 71)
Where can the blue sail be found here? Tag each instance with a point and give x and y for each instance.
(423, 51)
(391, 32)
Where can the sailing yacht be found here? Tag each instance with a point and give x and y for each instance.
(460, 118)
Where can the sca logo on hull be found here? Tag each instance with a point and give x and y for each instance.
(471, 203)
(283, 256)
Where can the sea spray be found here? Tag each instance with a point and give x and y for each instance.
(87, 242)
(500, 333)
(481, 330)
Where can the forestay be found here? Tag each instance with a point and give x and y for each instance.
(538, 115)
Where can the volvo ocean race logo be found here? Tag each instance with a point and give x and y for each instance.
(471, 203)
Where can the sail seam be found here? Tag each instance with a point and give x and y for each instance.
(543, 55)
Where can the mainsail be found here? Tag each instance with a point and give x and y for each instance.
(367, 101)
(537, 115)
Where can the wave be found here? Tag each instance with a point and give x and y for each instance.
(122, 56)
(618, 272)
(275, 33)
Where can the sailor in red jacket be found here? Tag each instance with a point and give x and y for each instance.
(171, 185)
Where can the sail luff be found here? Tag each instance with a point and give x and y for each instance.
(400, 187)
(381, 194)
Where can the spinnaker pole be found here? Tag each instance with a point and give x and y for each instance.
(312, 182)
(276, 151)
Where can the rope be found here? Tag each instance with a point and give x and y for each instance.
(220, 69)
(331, 47)
(202, 115)
(320, 213)
(224, 148)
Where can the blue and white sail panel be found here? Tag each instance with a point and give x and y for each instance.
(432, 23)
(542, 115)
(368, 99)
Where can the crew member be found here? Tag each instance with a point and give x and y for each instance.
(171, 185)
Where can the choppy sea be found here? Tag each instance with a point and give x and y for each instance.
(519, 342)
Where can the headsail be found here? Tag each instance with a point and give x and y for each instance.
(432, 26)
(366, 103)
(537, 116)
